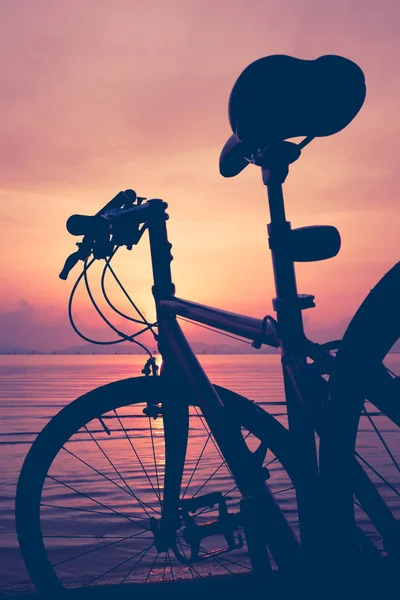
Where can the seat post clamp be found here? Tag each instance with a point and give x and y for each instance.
(303, 301)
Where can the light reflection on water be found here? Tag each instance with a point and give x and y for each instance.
(34, 388)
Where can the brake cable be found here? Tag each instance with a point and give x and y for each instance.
(107, 299)
(71, 319)
(121, 286)
(127, 338)
(87, 265)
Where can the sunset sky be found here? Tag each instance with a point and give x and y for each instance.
(100, 96)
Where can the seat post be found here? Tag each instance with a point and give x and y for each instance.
(286, 303)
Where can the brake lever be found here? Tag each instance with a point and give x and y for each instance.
(83, 252)
(69, 265)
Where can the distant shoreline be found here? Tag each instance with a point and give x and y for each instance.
(133, 354)
(140, 354)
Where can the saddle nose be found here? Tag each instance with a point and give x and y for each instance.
(232, 159)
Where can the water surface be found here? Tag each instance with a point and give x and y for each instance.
(34, 388)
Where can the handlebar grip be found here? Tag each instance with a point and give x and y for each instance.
(69, 264)
(82, 224)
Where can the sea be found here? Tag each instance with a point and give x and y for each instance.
(102, 500)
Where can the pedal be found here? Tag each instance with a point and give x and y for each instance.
(226, 524)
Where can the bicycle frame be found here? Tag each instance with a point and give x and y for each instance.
(186, 375)
(304, 386)
(180, 364)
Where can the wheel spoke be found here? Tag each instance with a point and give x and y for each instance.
(191, 569)
(208, 479)
(378, 433)
(89, 537)
(359, 505)
(214, 473)
(97, 512)
(143, 504)
(236, 564)
(218, 561)
(155, 460)
(92, 499)
(116, 566)
(381, 477)
(284, 490)
(136, 563)
(165, 565)
(196, 465)
(206, 510)
(170, 566)
(127, 491)
(137, 456)
(62, 562)
(201, 417)
(220, 454)
(152, 567)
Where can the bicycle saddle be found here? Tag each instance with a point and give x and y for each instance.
(280, 97)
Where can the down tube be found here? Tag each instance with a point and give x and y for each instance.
(182, 362)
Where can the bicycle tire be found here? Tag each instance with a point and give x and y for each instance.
(359, 375)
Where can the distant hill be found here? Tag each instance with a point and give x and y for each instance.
(99, 349)
(198, 347)
(127, 348)
(18, 350)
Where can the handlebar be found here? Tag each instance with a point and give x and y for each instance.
(117, 223)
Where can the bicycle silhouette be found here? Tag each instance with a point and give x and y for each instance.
(183, 479)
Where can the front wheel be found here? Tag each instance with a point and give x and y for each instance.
(90, 493)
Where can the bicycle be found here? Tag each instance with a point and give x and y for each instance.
(181, 512)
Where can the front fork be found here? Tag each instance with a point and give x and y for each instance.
(176, 431)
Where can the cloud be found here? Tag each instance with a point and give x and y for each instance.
(28, 327)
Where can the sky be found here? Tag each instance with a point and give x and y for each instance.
(100, 96)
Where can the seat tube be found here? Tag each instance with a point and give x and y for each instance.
(290, 329)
